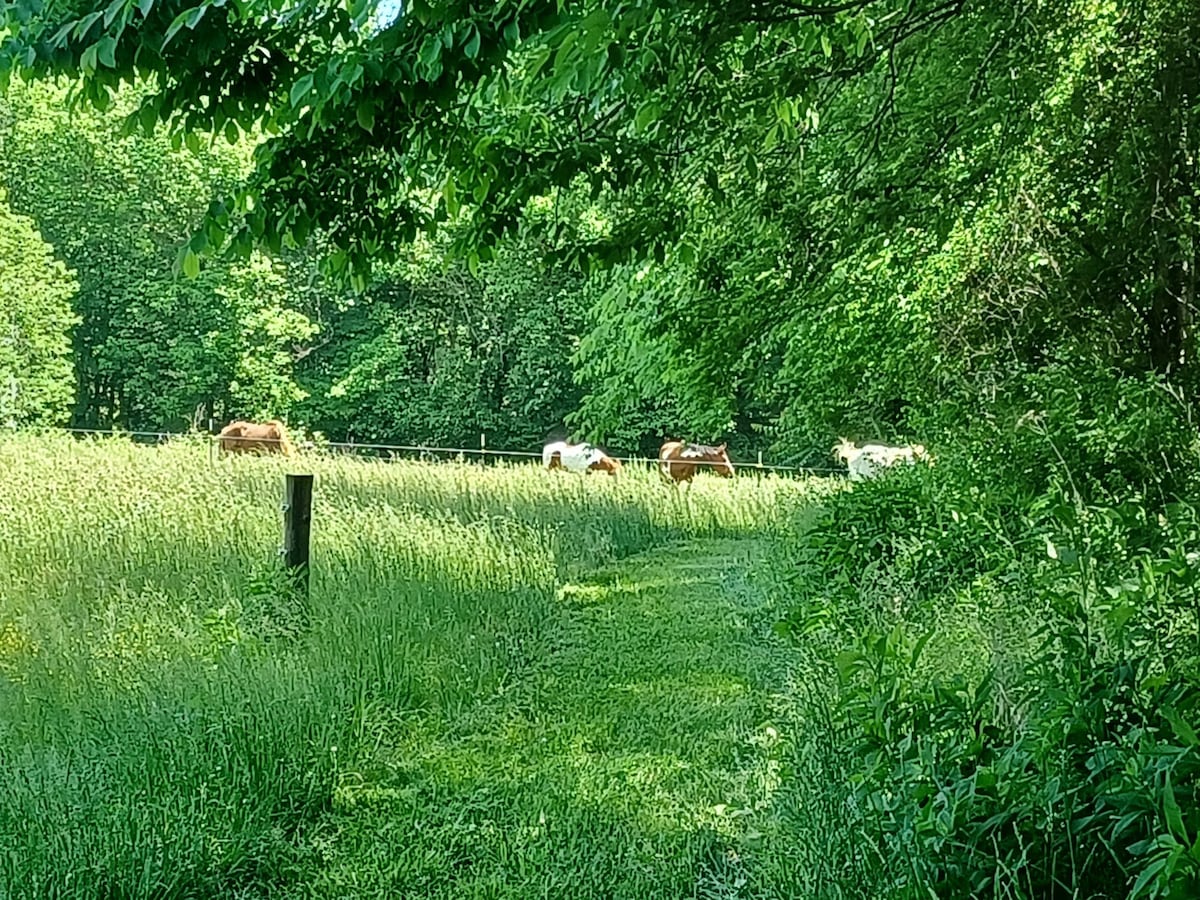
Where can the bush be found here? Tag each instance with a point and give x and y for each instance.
(1086, 427)
(1025, 725)
(901, 540)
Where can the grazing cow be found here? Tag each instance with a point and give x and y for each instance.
(870, 460)
(578, 458)
(255, 437)
(678, 461)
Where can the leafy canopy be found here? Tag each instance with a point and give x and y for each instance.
(381, 128)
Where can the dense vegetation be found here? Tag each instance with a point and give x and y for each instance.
(969, 223)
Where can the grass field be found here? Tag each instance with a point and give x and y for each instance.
(505, 682)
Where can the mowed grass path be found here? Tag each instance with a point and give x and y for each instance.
(638, 758)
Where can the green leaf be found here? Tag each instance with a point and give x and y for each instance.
(365, 113)
(300, 89)
(60, 36)
(108, 51)
(188, 263)
(826, 45)
(648, 113)
(87, 59)
(482, 186)
(431, 50)
(848, 662)
(919, 646)
(300, 230)
(176, 25)
(84, 25)
(1172, 813)
(1148, 874)
(147, 116)
(231, 131)
(113, 10)
(472, 48)
(199, 242)
(1182, 729)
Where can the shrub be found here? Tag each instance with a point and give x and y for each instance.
(1079, 775)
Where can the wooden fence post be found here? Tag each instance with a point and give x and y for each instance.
(297, 523)
(760, 467)
(482, 448)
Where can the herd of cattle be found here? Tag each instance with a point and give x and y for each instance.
(677, 461)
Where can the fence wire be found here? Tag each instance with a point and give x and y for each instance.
(425, 449)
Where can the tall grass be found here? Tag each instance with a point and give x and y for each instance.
(170, 712)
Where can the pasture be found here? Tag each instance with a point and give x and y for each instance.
(489, 692)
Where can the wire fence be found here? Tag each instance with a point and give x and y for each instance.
(429, 452)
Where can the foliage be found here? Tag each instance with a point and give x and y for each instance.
(867, 219)
(480, 107)
(150, 348)
(35, 324)
(434, 355)
(1015, 664)
(1082, 779)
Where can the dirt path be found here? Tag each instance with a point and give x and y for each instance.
(639, 758)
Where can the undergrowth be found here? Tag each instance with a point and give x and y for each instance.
(1009, 665)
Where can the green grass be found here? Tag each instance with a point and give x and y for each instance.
(478, 699)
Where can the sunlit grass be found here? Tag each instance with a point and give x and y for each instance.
(174, 718)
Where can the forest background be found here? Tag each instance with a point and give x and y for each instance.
(109, 334)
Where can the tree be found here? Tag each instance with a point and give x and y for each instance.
(868, 216)
(383, 128)
(434, 355)
(35, 325)
(151, 348)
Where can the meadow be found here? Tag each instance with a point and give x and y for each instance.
(178, 722)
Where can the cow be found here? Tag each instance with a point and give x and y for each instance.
(870, 460)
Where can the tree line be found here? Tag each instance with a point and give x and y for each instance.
(108, 335)
(876, 219)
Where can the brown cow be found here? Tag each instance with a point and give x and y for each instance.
(678, 461)
(255, 437)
